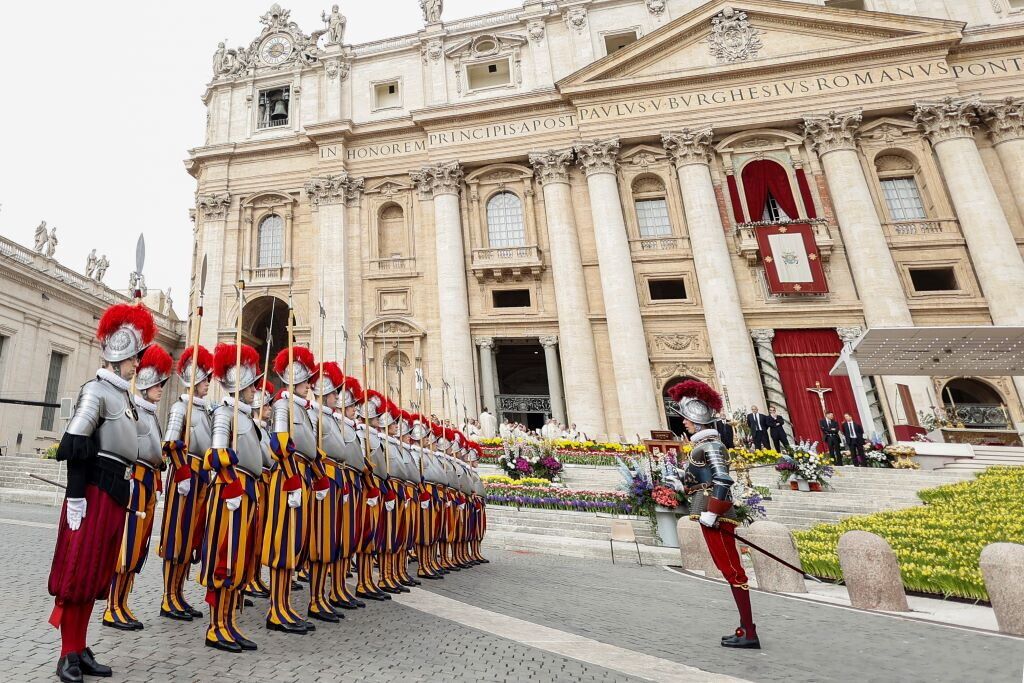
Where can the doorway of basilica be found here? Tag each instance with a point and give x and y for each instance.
(523, 394)
(265, 325)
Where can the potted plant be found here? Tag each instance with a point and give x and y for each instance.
(804, 469)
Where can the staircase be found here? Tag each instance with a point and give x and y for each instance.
(17, 486)
(562, 524)
(985, 457)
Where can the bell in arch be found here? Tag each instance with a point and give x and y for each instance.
(279, 111)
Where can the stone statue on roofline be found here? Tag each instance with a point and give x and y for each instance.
(51, 242)
(336, 22)
(432, 10)
(101, 267)
(90, 264)
(41, 236)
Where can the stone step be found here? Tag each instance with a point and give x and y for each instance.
(565, 533)
(552, 515)
(625, 553)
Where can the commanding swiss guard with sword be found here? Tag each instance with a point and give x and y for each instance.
(708, 485)
(154, 371)
(100, 446)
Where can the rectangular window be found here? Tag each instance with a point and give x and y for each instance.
(274, 106)
(903, 199)
(489, 74)
(387, 95)
(652, 215)
(511, 298)
(52, 387)
(614, 42)
(934, 279)
(667, 290)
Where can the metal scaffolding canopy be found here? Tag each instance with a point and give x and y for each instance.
(937, 351)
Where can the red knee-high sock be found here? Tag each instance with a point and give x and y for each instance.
(742, 598)
(74, 625)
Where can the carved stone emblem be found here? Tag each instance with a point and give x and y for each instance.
(576, 19)
(656, 7)
(432, 51)
(732, 37)
(535, 29)
(677, 342)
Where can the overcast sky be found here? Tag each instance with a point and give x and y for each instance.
(100, 103)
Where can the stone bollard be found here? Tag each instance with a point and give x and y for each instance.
(693, 550)
(777, 539)
(871, 572)
(1002, 566)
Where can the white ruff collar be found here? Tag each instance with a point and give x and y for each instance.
(108, 376)
(705, 434)
(314, 407)
(299, 401)
(146, 405)
(196, 401)
(229, 401)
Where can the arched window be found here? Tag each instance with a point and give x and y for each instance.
(505, 221)
(900, 188)
(270, 239)
(391, 232)
(651, 207)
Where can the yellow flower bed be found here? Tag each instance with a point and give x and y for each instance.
(938, 545)
(525, 481)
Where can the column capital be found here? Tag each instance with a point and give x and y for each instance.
(597, 156)
(1004, 118)
(551, 166)
(437, 179)
(214, 206)
(762, 335)
(947, 119)
(334, 189)
(832, 131)
(848, 335)
(689, 145)
(549, 342)
(484, 342)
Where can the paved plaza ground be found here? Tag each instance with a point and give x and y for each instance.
(524, 617)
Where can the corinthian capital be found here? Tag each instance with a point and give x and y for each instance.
(597, 156)
(947, 119)
(689, 146)
(1004, 118)
(484, 342)
(763, 336)
(832, 131)
(551, 166)
(213, 207)
(438, 179)
(333, 189)
(848, 335)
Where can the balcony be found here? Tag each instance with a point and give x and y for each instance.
(907, 233)
(507, 264)
(746, 238)
(265, 275)
(396, 265)
(645, 245)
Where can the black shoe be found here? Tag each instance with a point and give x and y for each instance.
(245, 643)
(741, 640)
(69, 668)
(343, 604)
(261, 594)
(246, 602)
(90, 667)
(226, 647)
(330, 617)
(192, 612)
(430, 577)
(309, 625)
(175, 614)
(358, 603)
(372, 596)
(123, 625)
(286, 627)
(394, 590)
(410, 582)
(402, 589)
(382, 594)
(296, 586)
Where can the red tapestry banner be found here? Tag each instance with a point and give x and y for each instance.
(792, 263)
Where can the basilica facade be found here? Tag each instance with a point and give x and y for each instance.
(562, 208)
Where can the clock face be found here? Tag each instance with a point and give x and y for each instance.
(276, 49)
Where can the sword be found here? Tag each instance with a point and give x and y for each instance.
(735, 536)
(138, 513)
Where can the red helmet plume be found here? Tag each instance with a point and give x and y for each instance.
(303, 368)
(124, 331)
(332, 378)
(155, 357)
(353, 392)
(692, 388)
(224, 359)
(204, 364)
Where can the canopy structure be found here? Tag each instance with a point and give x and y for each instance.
(936, 351)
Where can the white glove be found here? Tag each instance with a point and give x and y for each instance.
(295, 498)
(75, 513)
(320, 495)
(233, 503)
(424, 504)
(389, 505)
(708, 519)
(184, 486)
(447, 503)
(462, 506)
(344, 498)
(372, 502)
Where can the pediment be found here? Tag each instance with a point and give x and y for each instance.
(721, 37)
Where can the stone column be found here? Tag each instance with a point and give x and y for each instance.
(849, 335)
(486, 346)
(554, 371)
(212, 215)
(770, 378)
(445, 181)
(329, 196)
(723, 313)
(1005, 122)
(867, 251)
(579, 355)
(638, 407)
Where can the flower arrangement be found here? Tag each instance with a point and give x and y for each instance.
(525, 456)
(804, 462)
(749, 506)
(902, 457)
(51, 452)
(667, 498)
(547, 467)
(525, 481)
(552, 498)
(938, 545)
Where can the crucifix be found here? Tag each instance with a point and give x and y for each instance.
(820, 391)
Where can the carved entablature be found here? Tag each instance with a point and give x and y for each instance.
(483, 48)
(702, 371)
(679, 344)
(280, 45)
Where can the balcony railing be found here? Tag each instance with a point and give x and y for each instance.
(747, 239)
(267, 274)
(978, 415)
(524, 403)
(507, 263)
(395, 264)
(914, 230)
(273, 124)
(649, 244)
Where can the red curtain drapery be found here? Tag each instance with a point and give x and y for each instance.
(804, 357)
(734, 197)
(764, 176)
(805, 192)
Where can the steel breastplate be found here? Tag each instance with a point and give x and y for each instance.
(303, 433)
(118, 432)
(201, 432)
(250, 447)
(333, 442)
(150, 448)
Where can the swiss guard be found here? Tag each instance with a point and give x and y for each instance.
(708, 486)
(186, 440)
(100, 446)
(352, 499)
(373, 475)
(261, 407)
(154, 371)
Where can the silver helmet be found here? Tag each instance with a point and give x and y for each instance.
(154, 368)
(696, 411)
(262, 398)
(696, 401)
(301, 367)
(329, 381)
(419, 430)
(373, 406)
(232, 375)
(125, 331)
(192, 373)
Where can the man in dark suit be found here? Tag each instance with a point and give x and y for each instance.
(830, 435)
(758, 425)
(724, 429)
(854, 435)
(777, 429)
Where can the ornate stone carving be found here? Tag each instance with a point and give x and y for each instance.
(421, 179)
(551, 166)
(102, 263)
(667, 371)
(678, 342)
(1004, 118)
(849, 334)
(442, 178)
(732, 37)
(597, 156)
(432, 50)
(947, 119)
(888, 134)
(432, 10)
(486, 343)
(331, 68)
(656, 7)
(549, 342)
(893, 162)
(535, 29)
(576, 19)
(762, 336)
(214, 206)
(689, 146)
(832, 131)
(90, 264)
(333, 189)
(335, 22)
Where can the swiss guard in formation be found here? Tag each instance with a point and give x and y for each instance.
(154, 371)
(351, 495)
(100, 447)
(186, 441)
(709, 488)
(373, 475)
(261, 408)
